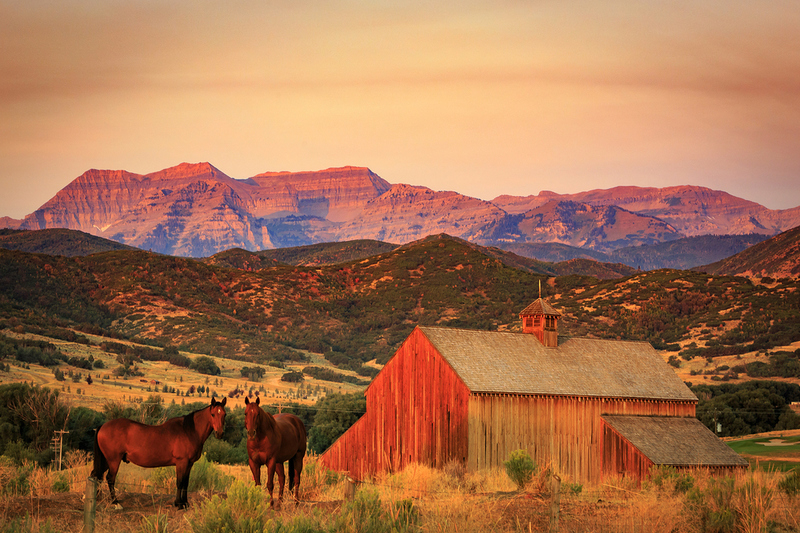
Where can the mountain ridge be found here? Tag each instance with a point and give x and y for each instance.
(196, 210)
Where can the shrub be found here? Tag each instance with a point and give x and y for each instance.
(204, 475)
(292, 377)
(365, 514)
(15, 479)
(244, 510)
(520, 468)
(26, 525)
(790, 484)
(61, 483)
(222, 452)
(207, 475)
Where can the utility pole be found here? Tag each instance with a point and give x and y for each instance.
(58, 444)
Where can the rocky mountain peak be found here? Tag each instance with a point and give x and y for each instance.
(195, 209)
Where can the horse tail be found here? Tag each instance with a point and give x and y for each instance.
(291, 474)
(100, 461)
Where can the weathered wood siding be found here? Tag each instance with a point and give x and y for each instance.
(620, 457)
(416, 412)
(564, 431)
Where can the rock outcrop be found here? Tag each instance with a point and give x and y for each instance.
(689, 209)
(197, 210)
(600, 228)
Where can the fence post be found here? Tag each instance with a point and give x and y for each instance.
(555, 490)
(349, 488)
(90, 504)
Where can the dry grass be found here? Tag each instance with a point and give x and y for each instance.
(446, 500)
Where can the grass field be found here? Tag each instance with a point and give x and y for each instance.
(416, 499)
(779, 451)
(107, 387)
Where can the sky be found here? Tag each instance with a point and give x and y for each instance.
(480, 97)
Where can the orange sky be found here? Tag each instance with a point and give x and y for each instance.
(481, 97)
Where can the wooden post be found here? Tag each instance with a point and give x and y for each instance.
(89, 505)
(349, 488)
(555, 490)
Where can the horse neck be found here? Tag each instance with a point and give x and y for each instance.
(201, 421)
(266, 424)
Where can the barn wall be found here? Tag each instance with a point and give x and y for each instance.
(620, 457)
(416, 412)
(566, 432)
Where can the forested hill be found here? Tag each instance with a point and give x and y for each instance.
(57, 241)
(361, 310)
(777, 257)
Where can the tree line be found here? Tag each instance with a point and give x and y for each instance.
(30, 415)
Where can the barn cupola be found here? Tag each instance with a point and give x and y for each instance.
(541, 319)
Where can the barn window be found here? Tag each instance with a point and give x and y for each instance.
(537, 321)
(528, 322)
(550, 322)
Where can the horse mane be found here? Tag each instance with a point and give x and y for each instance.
(189, 419)
(263, 421)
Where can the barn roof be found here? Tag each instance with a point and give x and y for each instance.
(539, 307)
(674, 441)
(501, 362)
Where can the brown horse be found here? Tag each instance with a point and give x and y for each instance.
(178, 441)
(271, 440)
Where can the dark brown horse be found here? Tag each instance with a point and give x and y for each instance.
(178, 441)
(271, 440)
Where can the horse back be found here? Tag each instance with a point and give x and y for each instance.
(142, 444)
(293, 432)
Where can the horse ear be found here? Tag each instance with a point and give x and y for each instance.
(258, 400)
(246, 400)
(222, 403)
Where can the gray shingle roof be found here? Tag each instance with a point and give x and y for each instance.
(491, 361)
(539, 307)
(674, 441)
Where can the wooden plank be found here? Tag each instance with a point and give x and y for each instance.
(564, 431)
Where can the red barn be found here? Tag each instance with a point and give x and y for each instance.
(590, 407)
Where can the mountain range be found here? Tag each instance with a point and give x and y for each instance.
(195, 210)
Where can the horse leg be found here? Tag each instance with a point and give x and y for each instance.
(271, 482)
(185, 488)
(297, 462)
(255, 468)
(290, 464)
(182, 484)
(281, 480)
(111, 478)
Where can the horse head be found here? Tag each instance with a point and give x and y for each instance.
(217, 412)
(251, 414)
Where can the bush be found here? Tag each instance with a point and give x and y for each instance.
(205, 365)
(26, 525)
(204, 475)
(713, 507)
(14, 479)
(668, 477)
(520, 468)
(222, 452)
(244, 510)
(207, 475)
(365, 514)
(790, 484)
(61, 483)
(292, 377)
